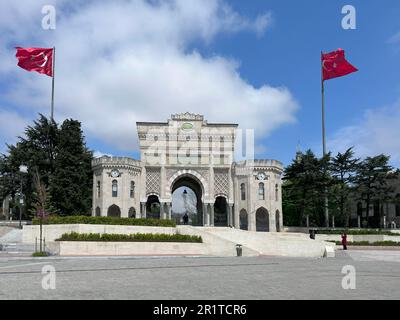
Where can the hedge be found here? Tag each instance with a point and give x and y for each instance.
(356, 232)
(138, 237)
(375, 244)
(105, 220)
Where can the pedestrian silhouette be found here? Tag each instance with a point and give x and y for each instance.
(185, 218)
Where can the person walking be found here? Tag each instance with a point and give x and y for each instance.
(185, 218)
(344, 241)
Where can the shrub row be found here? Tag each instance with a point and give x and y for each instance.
(105, 220)
(376, 244)
(138, 237)
(356, 232)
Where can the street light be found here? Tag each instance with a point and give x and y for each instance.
(22, 169)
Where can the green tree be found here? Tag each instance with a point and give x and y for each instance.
(71, 182)
(61, 159)
(372, 183)
(343, 169)
(304, 188)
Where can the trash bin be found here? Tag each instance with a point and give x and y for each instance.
(312, 234)
(239, 250)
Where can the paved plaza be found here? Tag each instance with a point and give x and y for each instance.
(195, 278)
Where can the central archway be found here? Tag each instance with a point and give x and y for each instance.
(187, 193)
(262, 220)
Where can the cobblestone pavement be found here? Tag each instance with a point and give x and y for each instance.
(377, 277)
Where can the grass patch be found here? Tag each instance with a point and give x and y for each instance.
(373, 244)
(138, 237)
(105, 221)
(40, 254)
(357, 232)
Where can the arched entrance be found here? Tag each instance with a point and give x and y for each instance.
(220, 212)
(277, 221)
(132, 212)
(243, 218)
(114, 211)
(153, 207)
(262, 220)
(98, 212)
(187, 193)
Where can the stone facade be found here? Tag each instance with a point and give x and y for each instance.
(187, 151)
(386, 215)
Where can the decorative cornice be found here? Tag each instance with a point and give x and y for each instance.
(187, 117)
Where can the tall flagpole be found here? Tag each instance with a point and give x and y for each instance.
(326, 209)
(52, 84)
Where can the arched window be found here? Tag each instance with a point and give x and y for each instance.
(243, 191)
(261, 191)
(276, 192)
(115, 188)
(132, 212)
(359, 209)
(98, 189)
(132, 190)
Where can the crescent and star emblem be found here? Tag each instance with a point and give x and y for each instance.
(45, 58)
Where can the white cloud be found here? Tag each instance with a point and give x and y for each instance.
(125, 61)
(394, 39)
(99, 154)
(12, 125)
(376, 133)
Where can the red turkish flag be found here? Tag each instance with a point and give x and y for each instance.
(334, 64)
(36, 59)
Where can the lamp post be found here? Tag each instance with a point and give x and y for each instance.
(22, 169)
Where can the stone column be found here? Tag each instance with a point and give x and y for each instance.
(212, 216)
(231, 215)
(206, 215)
(333, 222)
(143, 209)
(170, 211)
(162, 211)
(307, 221)
(359, 222)
(228, 215)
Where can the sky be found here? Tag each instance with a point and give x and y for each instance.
(255, 63)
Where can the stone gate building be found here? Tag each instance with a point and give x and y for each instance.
(187, 151)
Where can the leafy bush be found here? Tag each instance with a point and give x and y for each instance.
(138, 237)
(40, 254)
(374, 244)
(356, 232)
(105, 220)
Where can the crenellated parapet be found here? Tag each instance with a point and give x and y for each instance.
(124, 163)
(244, 168)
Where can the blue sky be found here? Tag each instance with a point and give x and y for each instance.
(256, 63)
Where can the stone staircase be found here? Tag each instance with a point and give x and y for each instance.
(11, 243)
(224, 240)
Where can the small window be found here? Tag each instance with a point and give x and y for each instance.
(115, 188)
(276, 192)
(98, 189)
(243, 191)
(132, 190)
(261, 191)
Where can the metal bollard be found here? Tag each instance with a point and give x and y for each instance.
(239, 250)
